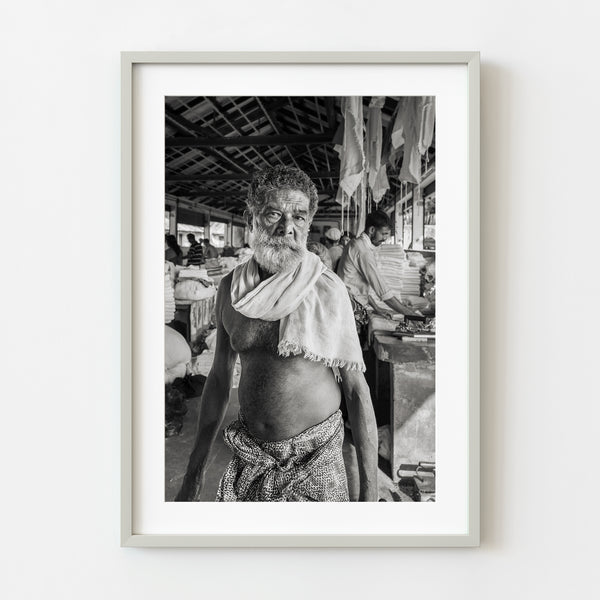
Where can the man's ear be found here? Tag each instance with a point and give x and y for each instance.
(370, 230)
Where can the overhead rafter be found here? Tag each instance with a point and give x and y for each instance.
(272, 118)
(248, 140)
(241, 176)
(204, 193)
(237, 128)
(186, 126)
(330, 107)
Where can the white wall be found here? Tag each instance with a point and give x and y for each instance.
(60, 163)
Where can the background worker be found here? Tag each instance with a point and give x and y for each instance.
(332, 242)
(358, 270)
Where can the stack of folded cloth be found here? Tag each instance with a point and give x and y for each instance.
(193, 283)
(214, 269)
(169, 296)
(192, 272)
(391, 264)
(193, 289)
(411, 281)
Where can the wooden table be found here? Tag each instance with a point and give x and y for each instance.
(411, 398)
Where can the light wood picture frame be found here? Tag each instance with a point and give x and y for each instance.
(466, 67)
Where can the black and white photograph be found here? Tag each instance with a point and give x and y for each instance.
(300, 298)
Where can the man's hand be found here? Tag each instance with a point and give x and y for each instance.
(402, 308)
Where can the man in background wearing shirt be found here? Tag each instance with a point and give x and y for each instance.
(358, 268)
(195, 256)
(209, 250)
(332, 242)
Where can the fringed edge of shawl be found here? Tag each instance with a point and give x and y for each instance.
(292, 348)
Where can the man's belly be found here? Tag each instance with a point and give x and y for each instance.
(281, 397)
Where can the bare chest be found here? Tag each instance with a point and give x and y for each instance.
(246, 335)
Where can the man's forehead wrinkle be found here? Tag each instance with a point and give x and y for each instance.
(286, 194)
(287, 200)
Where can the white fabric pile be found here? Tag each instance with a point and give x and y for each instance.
(391, 262)
(214, 269)
(169, 295)
(193, 283)
(192, 289)
(177, 355)
(411, 281)
(192, 272)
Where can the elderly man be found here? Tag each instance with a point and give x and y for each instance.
(290, 320)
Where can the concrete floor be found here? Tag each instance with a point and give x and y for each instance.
(178, 448)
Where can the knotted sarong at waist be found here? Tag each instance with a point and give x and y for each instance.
(308, 467)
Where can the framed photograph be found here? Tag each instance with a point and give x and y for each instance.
(300, 299)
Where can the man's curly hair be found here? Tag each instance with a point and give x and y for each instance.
(280, 178)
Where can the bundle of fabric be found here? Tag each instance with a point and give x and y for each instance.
(411, 281)
(192, 272)
(391, 262)
(169, 295)
(191, 289)
(177, 355)
(214, 269)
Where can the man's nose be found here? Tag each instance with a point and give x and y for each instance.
(285, 226)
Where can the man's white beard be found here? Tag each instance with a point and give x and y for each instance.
(277, 253)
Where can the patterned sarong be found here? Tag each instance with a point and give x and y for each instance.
(308, 467)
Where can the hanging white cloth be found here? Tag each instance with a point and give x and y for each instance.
(414, 126)
(381, 184)
(374, 138)
(398, 127)
(352, 154)
(427, 123)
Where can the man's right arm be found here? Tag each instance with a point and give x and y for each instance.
(396, 305)
(213, 403)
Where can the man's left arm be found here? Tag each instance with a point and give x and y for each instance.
(364, 430)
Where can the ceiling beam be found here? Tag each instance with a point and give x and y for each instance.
(188, 127)
(209, 194)
(330, 107)
(241, 176)
(248, 140)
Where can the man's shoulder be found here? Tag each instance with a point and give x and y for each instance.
(330, 283)
(360, 240)
(354, 247)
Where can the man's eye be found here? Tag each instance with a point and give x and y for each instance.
(299, 218)
(272, 215)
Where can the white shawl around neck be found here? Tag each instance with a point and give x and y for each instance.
(312, 305)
